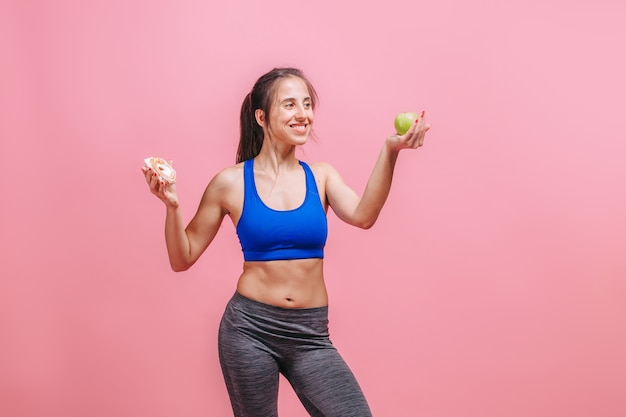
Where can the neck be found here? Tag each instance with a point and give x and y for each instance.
(276, 156)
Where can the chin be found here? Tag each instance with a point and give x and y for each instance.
(302, 140)
(299, 139)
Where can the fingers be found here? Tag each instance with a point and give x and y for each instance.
(153, 181)
(166, 192)
(414, 134)
(417, 133)
(421, 134)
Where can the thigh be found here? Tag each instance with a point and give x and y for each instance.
(250, 372)
(325, 384)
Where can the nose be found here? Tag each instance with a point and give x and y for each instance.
(300, 112)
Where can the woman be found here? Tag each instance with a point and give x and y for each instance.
(277, 320)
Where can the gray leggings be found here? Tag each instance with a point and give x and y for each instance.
(258, 341)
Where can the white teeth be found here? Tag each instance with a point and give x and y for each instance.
(299, 127)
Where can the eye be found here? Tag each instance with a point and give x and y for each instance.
(308, 104)
(289, 105)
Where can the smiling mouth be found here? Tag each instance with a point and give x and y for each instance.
(299, 128)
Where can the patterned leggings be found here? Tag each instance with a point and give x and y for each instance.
(258, 341)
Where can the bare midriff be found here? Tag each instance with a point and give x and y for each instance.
(297, 283)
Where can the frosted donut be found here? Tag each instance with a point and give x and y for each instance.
(162, 168)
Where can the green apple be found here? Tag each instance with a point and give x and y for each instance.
(403, 121)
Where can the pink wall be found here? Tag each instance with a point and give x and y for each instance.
(493, 284)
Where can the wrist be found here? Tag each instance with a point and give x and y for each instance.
(391, 148)
(172, 206)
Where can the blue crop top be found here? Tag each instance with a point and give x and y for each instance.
(266, 234)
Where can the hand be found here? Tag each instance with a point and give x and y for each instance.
(164, 191)
(412, 139)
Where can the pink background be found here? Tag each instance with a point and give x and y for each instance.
(492, 285)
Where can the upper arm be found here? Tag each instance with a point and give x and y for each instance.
(203, 227)
(341, 198)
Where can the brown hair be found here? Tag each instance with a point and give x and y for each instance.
(260, 97)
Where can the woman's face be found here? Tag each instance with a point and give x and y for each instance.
(291, 115)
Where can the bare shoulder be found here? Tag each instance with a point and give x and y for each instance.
(226, 189)
(322, 170)
(227, 178)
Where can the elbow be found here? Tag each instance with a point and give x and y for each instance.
(180, 262)
(179, 267)
(364, 218)
(366, 223)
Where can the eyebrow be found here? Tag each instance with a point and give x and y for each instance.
(294, 99)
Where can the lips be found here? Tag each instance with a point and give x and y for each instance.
(299, 128)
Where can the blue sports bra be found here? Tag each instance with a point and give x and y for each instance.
(266, 234)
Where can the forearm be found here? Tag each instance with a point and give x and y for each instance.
(176, 240)
(377, 188)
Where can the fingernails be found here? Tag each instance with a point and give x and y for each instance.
(423, 112)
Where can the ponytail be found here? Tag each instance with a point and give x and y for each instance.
(251, 134)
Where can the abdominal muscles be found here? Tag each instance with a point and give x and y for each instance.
(296, 283)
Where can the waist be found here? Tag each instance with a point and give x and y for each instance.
(287, 283)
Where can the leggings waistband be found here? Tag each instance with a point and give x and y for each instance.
(248, 305)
